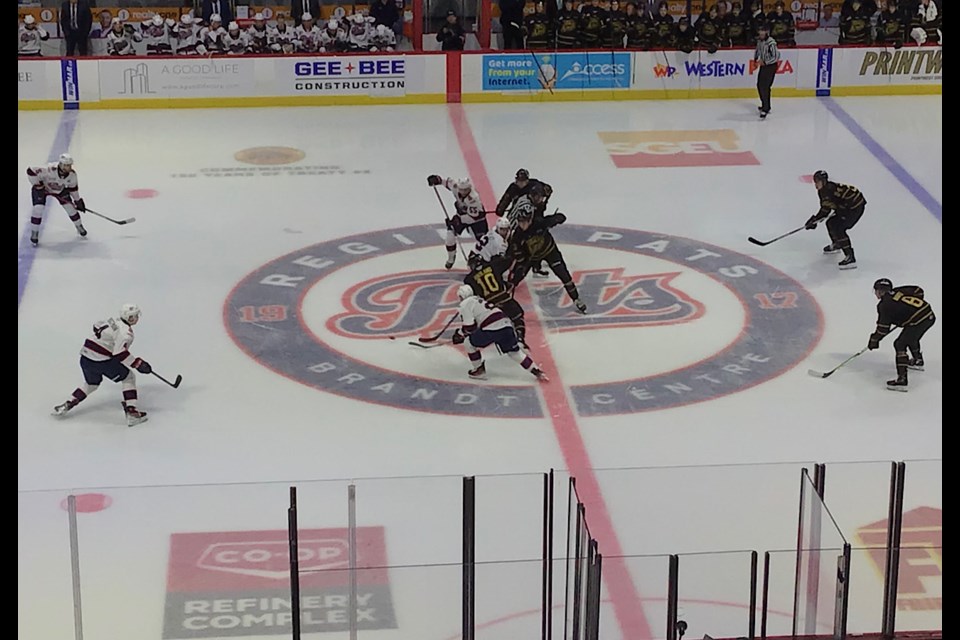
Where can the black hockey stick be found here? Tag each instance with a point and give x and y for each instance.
(788, 233)
(544, 81)
(113, 220)
(827, 374)
(175, 384)
(430, 341)
(449, 222)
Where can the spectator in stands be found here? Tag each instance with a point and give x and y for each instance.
(639, 28)
(386, 13)
(300, 7)
(855, 25)
(684, 37)
(452, 37)
(30, 37)
(103, 28)
(828, 19)
(782, 28)
(76, 19)
(710, 29)
(757, 18)
(511, 20)
(221, 8)
(890, 26)
(593, 17)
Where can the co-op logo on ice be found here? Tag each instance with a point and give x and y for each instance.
(672, 321)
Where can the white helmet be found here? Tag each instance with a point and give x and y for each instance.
(157, 19)
(258, 17)
(186, 19)
(306, 17)
(333, 25)
(503, 224)
(129, 311)
(66, 160)
(28, 19)
(233, 26)
(464, 291)
(383, 29)
(215, 18)
(464, 184)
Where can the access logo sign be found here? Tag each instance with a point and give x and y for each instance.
(237, 583)
(337, 316)
(920, 586)
(654, 149)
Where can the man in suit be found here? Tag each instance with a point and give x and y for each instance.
(219, 7)
(76, 20)
(300, 7)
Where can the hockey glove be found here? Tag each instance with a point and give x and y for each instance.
(142, 366)
(457, 337)
(80, 205)
(434, 181)
(874, 342)
(811, 223)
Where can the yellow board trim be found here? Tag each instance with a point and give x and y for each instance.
(629, 94)
(889, 90)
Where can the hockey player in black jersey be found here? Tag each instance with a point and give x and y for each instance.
(521, 186)
(489, 281)
(532, 243)
(846, 204)
(903, 307)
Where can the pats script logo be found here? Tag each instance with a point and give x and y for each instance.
(329, 342)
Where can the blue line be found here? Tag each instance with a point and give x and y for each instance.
(926, 199)
(25, 251)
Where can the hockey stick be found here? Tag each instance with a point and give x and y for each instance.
(175, 384)
(429, 341)
(544, 80)
(763, 244)
(449, 222)
(114, 221)
(827, 374)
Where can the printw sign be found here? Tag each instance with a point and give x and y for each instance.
(237, 583)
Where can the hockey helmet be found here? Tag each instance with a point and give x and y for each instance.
(186, 19)
(523, 174)
(66, 160)
(474, 261)
(28, 20)
(333, 25)
(820, 176)
(883, 284)
(233, 26)
(306, 17)
(503, 224)
(216, 18)
(464, 291)
(464, 185)
(537, 193)
(130, 313)
(157, 19)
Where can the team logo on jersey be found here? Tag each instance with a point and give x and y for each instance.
(318, 317)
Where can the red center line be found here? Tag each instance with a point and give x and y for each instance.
(623, 593)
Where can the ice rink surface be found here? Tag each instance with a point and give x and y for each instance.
(696, 350)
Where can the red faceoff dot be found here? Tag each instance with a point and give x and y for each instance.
(89, 502)
(139, 194)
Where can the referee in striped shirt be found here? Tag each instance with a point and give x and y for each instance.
(767, 56)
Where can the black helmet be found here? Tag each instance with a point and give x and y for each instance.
(883, 284)
(536, 193)
(523, 174)
(820, 175)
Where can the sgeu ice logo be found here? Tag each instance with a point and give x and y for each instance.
(691, 148)
(707, 321)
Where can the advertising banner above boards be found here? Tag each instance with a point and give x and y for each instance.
(469, 77)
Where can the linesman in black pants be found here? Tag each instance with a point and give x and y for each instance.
(767, 56)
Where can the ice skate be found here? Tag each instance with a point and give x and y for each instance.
(34, 238)
(81, 231)
(61, 409)
(134, 416)
(848, 263)
(480, 373)
(915, 363)
(581, 306)
(900, 384)
(539, 374)
(831, 248)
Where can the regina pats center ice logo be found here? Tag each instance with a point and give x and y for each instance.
(672, 321)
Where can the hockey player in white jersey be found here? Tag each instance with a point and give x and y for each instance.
(120, 39)
(156, 35)
(211, 37)
(29, 37)
(235, 41)
(485, 324)
(308, 35)
(185, 38)
(282, 37)
(333, 39)
(361, 32)
(57, 179)
(494, 242)
(470, 214)
(106, 354)
(384, 39)
(258, 35)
